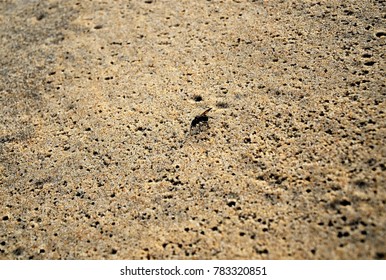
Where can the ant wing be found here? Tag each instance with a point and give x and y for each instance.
(206, 112)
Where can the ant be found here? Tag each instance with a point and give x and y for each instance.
(200, 120)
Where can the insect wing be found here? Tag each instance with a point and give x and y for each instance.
(206, 112)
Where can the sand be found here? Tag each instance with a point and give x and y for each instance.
(97, 160)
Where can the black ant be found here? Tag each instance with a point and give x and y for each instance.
(200, 120)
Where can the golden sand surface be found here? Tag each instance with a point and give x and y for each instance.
(98, 161)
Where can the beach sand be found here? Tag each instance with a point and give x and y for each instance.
(97, 160)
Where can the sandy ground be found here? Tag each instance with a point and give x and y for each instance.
(97, 160)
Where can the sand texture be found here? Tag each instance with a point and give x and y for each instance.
(97, 160)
